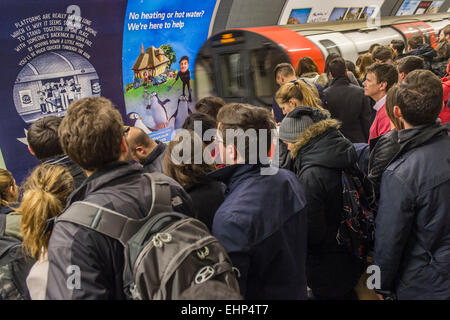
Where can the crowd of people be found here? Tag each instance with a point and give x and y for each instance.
(385, 116)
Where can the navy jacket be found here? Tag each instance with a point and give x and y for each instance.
(412, 239)
(262, 225)
(154, 161)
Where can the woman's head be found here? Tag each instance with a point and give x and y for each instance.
(298, 93)
(45, 196)
(366, 61)
(306, 65)
(9, 192)
(184, 159)
(391, 102)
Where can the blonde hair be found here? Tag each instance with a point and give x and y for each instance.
(307, 95)
(6, 181)
(45, 195)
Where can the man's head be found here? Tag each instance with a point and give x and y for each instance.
(337, 68)
(92, 134)
(380, 78)
(207, 122)
(407, 64)
(419, 99)
(184, 64)
(398, 46)
(244, 133)
(383, 54)
(444, 33)
(284, 73)
(139, 143)
(415, 42)
(210, 106)
(43, 140)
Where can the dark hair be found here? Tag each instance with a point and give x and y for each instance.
(384, 72)
(337, 68)
(398, 45)
(352, 68)
(286, 69)
(206, 120)
(382, 53)
(410, 63)
(210, 106)
(306, 65)
(43, 138)
(185, 173)
(184, 58)
(237, 116)
(415, 41)
(91, 133)
(373, 46)
(329, 58)
(419, 97)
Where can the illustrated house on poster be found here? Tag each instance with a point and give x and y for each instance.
(150, 63)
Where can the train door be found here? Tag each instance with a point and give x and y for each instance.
(335, 43)
(238, 66)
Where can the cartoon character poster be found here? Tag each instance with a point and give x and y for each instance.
(161, 40)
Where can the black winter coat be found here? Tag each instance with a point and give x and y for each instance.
(426, 52)
(120, 187)
(207, 196)
(76, 172)
(412, 238)
(347, 103)
(320, 154)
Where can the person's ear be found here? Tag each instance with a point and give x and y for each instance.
(383, 85)
(139, 150)
(31, 151)
(398, 112)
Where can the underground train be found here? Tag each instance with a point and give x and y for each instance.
(238, 64)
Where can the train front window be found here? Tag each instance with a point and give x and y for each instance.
(230, 67)
(204, 76)
(263, 62)
(330, 46)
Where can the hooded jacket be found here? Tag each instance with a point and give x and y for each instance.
(320, 153)
(154, 161)
(412, 237)
(262, 225)
(76, 172)
(347, 103)
(97, 259)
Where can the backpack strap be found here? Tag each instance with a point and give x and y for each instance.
(115, 224)
(2, 224)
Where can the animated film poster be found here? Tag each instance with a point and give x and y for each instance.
(160, 43)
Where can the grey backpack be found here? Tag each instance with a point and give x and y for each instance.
(166, 252)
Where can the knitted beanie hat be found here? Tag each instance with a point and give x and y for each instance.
(298, 121)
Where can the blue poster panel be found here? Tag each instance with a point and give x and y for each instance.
(161, 40)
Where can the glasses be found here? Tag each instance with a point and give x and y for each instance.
(126, 130)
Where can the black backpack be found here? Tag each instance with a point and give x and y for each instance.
(14, 267)
(357, 227)
(166, 252)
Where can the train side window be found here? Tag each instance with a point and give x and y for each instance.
(330, 46)
(230, 67)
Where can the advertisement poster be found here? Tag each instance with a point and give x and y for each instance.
(296, 11)
(423, 7)
(408, 8)
(435, 6)
(55, 52)
(161, 40)
(338, 14)
(353, 14)
(299, 16)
